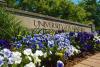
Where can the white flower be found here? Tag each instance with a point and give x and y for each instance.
(70, 50)
(50, 43)
(39, 53)
(28, 51)
(1, 61)
(61, 38)
(15, 58)
(1, 58)
(31, 64)
(36, 59)
(45, 54)
(96, 38)
(6, 52)
(75, 50)
(76, 34)
(10, 60)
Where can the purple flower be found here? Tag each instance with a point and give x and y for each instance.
(98, 31)
(40, 45)
(14, 38)
(50, 43)
(68, 52)
(71, 34)
(33, 46)
(79, 34)
(60, 63)
(18, 44)
(29, 37)
(1, 63)
(24, 39)
(87, 47)
(97, 42)
(4, 44)
(67, 42)
(36, 35)
(32, 40)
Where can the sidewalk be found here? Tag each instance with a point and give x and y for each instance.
(93, 61)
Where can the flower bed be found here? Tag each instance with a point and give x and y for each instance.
(19, 48)
(46, 50)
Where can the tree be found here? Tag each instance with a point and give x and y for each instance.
(64, 9)
(93, 9)
(97, 16)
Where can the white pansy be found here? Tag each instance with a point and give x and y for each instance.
(16, 57)
(10, 60)
(76, 34)
(6, 52)
(75, 50)
(96, 38)
(1, 57)
(31, 64)
(36, 59)
(95, 33)
(1, 61)
(70, 50)
(50, 43)
(45, 54)
(28, 51)
(39, 53)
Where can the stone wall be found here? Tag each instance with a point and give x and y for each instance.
(34, 20)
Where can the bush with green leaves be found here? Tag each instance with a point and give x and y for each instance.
(9, 25)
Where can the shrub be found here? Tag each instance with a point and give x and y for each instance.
(9, 25)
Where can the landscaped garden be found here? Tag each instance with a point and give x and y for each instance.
(21, 48)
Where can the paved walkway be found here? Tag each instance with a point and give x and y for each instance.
(93, 61)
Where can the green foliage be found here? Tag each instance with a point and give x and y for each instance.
(97, 16)
(11, 3)
(64, 9)
(9, 25)
(93, 8)
(87, 11)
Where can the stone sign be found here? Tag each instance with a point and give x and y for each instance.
(34, 20)
(32, 23)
